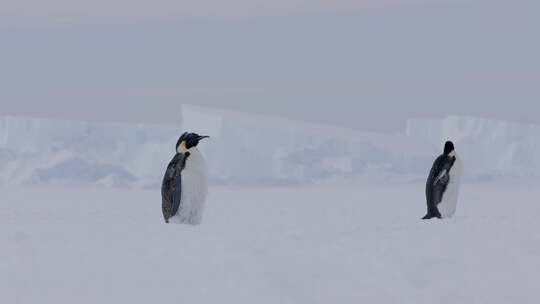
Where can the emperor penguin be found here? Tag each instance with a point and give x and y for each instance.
(442, 187)
(185, 184)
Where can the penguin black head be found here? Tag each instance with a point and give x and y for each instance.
(188, 141)
(448, 147)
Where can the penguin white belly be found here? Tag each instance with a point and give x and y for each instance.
(448, 205)
(194, 191)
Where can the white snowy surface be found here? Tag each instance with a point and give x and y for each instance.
(353, 241)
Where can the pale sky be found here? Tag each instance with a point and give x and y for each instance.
(117, 11)
(362, 64)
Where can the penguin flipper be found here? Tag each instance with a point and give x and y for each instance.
(176, 193)
(436, 185)
(171, 188)
(434, 198)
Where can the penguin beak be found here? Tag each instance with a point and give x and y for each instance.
(203, 137)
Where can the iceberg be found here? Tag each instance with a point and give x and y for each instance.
(254, 149)
(248, 149)
(43, 150)
(489, 148)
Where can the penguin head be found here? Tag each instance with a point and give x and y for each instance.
(188, 141)
(448, 147)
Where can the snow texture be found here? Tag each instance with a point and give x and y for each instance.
(248, 149)
(350, 242)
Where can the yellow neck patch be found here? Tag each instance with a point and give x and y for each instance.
(182, 148)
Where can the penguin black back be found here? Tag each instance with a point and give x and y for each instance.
(171, 188)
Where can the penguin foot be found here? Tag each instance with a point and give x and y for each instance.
(430, 216)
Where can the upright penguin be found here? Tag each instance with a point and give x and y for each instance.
(185, 184)
(442, 187)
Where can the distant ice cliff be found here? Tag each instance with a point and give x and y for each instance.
(252, 149)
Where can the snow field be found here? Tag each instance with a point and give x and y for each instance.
(342, 242)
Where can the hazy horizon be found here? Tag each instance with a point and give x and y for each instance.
(366, 65)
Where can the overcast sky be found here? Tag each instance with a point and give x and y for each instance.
(365, 64)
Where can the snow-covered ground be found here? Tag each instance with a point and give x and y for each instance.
(355, 241)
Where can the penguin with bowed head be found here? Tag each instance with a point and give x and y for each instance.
(442, 187)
